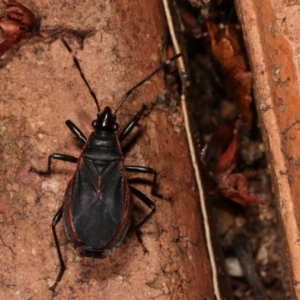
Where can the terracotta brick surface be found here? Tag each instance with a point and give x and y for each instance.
(272, 35)
(39, 90)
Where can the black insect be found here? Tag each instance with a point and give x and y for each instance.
(96, 210)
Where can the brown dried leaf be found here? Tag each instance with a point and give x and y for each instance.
(235, 187)
(232, 185)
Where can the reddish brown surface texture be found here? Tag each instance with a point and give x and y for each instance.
(272, 34)
(39, 90)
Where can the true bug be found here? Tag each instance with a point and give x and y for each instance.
(96, 210)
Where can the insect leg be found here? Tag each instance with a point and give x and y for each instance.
(76, 131)
(127, 129)
(63, 157)
(55, 221)
(139, 169)
(148, 203)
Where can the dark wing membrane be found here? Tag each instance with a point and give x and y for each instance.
(98, 202)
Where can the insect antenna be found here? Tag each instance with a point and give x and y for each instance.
(76, 62)
(160, 67)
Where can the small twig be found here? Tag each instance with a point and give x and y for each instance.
(243, 253)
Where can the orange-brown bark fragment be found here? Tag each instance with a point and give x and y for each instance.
(226, 47)
(19, 22)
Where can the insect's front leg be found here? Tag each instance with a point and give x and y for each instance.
(128, 128)
(76, 131)
(139, 169)
(63, 157)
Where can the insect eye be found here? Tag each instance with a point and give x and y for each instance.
(94, 124)
(116, 126)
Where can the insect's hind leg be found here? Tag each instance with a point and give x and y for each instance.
(63, 157)
(139, 169)
(149, 204)
(55, 221)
